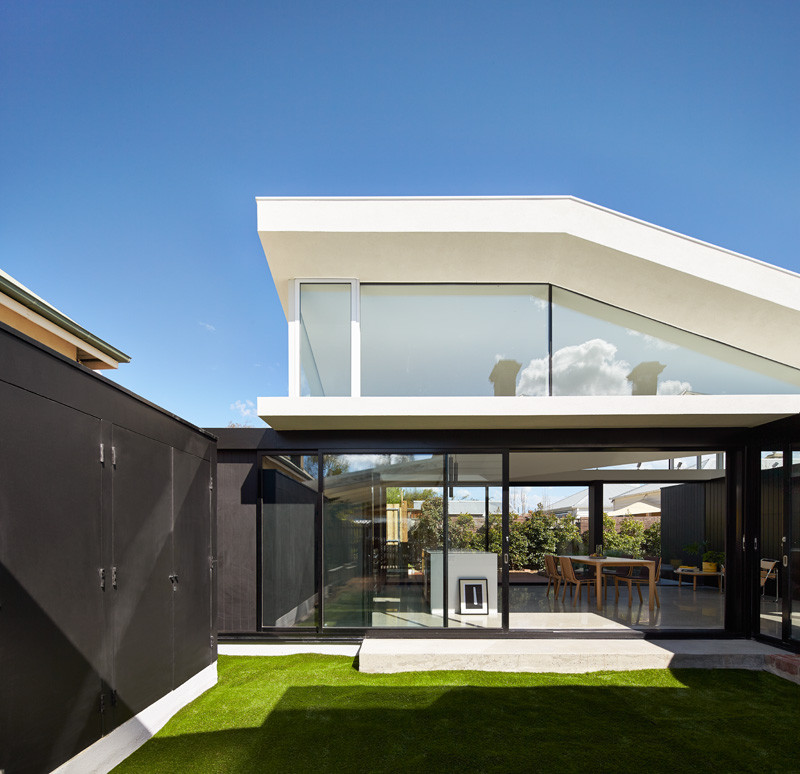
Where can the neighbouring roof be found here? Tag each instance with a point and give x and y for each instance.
(91, 348)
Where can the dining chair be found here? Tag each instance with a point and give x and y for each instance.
(638, 580)
(616, 572)
(568, 576)
(553, 575)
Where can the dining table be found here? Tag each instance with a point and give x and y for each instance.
(599, 562)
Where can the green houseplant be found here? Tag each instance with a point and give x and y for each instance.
(713, 559)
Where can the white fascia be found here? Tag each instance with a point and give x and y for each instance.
(501, 413)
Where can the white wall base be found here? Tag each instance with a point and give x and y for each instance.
(108, 752)
(285, 649)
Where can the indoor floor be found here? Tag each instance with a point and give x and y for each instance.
(532, 608)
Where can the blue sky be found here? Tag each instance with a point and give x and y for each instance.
(134, 137)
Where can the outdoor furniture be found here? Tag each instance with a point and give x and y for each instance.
(601, 562)
(638, 580)
(568, 576)
(769, 569)
(695, 574)
(551, 570)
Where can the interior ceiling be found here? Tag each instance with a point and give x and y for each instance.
(524, 467)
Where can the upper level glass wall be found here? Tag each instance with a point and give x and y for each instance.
(325, 339)
(454, 339)
(601, 350)
(474, 340)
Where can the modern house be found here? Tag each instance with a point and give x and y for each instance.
(489, 346)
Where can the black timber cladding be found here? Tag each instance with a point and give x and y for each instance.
(237, 515)
(103, 496)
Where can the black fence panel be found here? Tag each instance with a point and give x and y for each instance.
(51, 615)
(142, 563)
(682, 520)
(716, 513)
(192, 556)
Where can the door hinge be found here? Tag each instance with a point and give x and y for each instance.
(212, 560)
(210, 484)
(108, 698)
(114, 578)
(102, 573)
(114, 456)
(102, 454)
(173, 579)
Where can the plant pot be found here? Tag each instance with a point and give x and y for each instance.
(709, 566)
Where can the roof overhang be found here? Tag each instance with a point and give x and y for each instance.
(501, 413)
(560, 240)
(91, 350)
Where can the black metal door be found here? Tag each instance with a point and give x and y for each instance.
(51, 603)
(191, 565)
(141, 570)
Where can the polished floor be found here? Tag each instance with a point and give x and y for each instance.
(532, 608)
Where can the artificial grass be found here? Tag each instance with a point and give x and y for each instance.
(310, 713)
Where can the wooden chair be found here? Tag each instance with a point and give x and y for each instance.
(568, 576)
(769, 569)
(553, 575)
(638, 580)
(615, 572)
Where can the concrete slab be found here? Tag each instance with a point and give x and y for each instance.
(559, 655)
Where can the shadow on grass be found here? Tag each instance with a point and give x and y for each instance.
(736, 722)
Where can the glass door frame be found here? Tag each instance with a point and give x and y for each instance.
(784, 559)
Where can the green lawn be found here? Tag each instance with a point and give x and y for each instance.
(312, 713)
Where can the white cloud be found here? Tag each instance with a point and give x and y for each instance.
(206, 325)
(673, 387)
(652, 341)
(245, 407)
(582, 369)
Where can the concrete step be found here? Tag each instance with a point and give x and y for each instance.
(378, 655)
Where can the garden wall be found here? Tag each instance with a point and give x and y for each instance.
(106, 555)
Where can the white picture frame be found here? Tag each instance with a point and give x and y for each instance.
(473, 596)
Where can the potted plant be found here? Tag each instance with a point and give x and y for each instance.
(711, 559)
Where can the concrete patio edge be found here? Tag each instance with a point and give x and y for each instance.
(564, 656)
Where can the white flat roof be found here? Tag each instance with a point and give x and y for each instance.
(561, 240)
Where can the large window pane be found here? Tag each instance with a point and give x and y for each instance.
(771, 543)
(794, 554)
(289, 496)
(676, 521)
(382, 519)
(454, 340)
(601, 350)
(325, 339)
(475, 521)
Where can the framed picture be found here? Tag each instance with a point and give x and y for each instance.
(473, 595)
